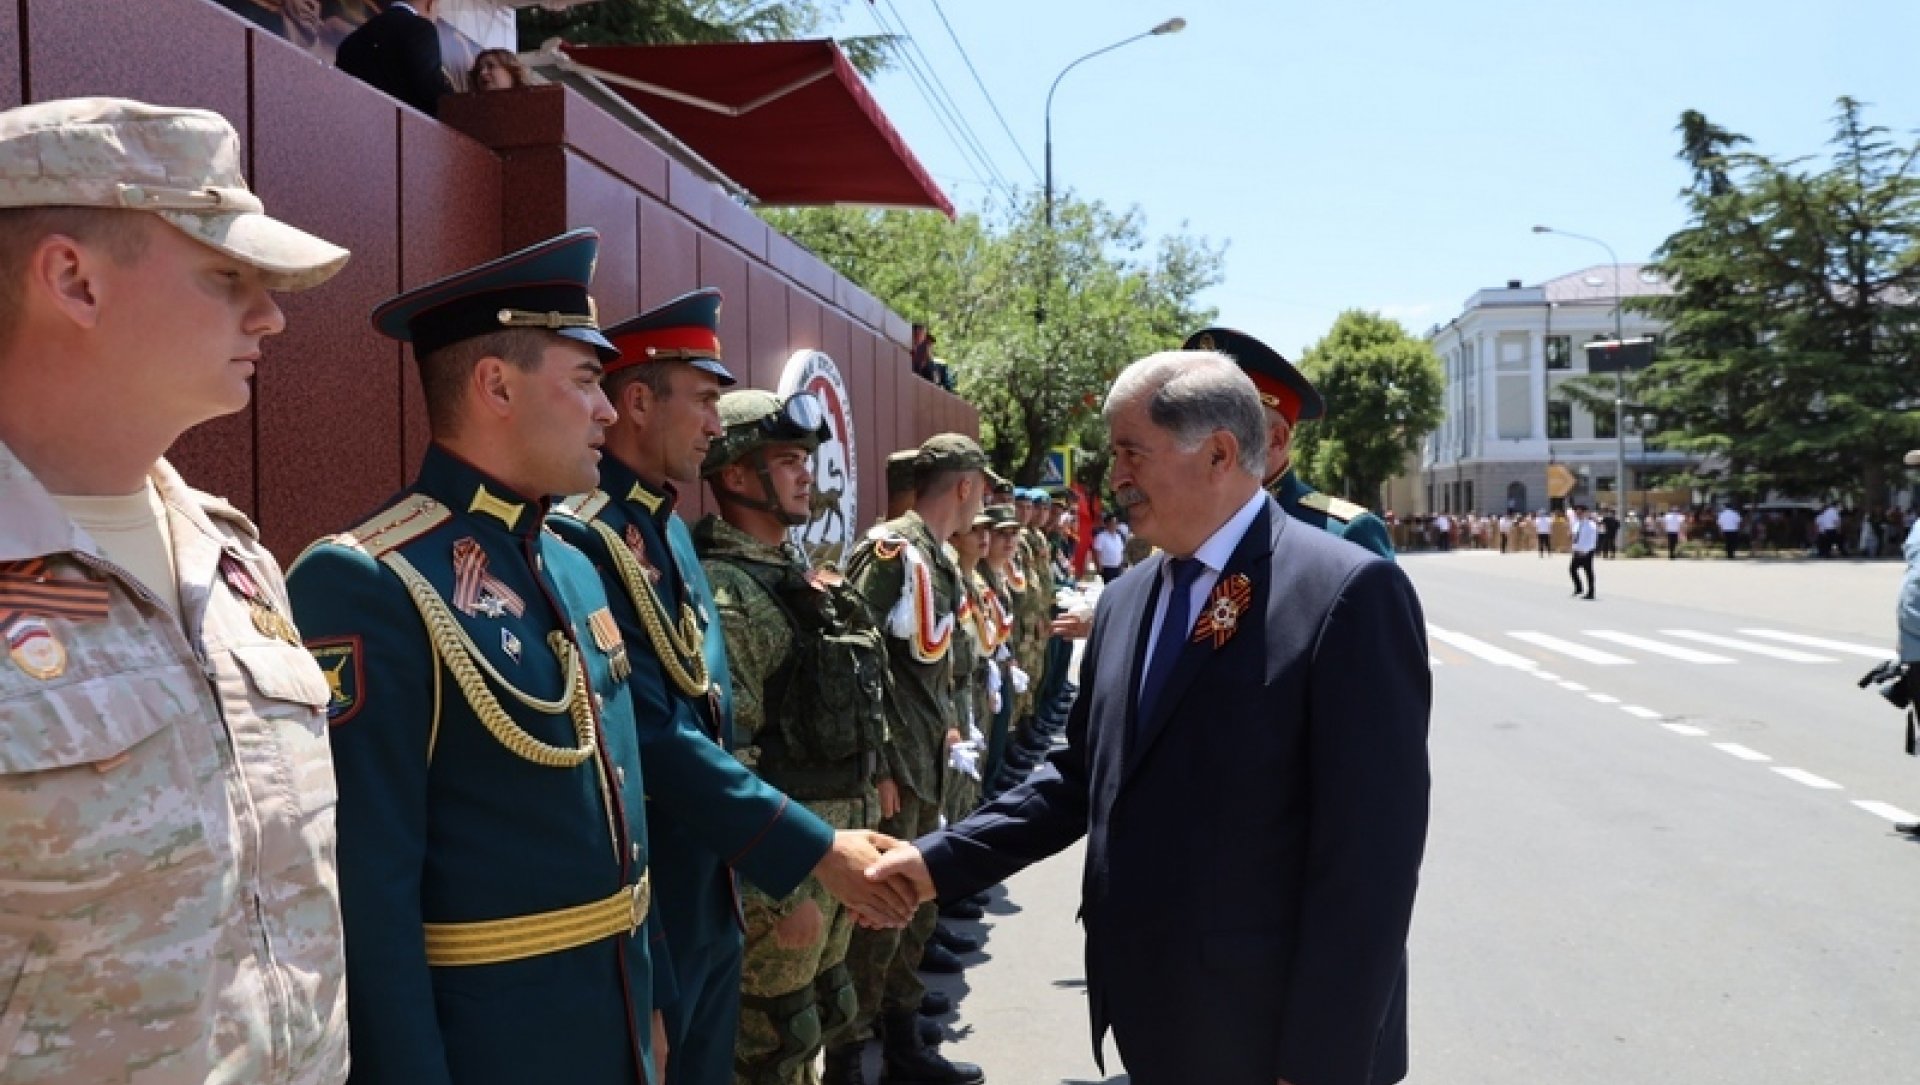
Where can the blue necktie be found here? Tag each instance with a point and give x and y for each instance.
(1173, 633)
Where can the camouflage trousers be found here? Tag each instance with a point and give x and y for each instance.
(791, 998)
(885, 964)
(959, 795)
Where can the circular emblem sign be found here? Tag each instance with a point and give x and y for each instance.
(830, 535)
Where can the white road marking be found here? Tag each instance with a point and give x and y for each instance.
(1546, 675)
(1433, 661)
(1822, 642)
(1886, 810)
(1643, 713)
(1738, 645)
(1684, 729)
(1741, 752)
(1573, 687)
(1569, 648)
(1603, 698)
(1802, 776)
(1657, 647)
(1499, 657)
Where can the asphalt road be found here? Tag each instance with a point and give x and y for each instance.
(1661, 847)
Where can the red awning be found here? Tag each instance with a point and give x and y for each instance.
(789, 121)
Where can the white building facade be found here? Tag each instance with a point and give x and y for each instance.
(1505, 357)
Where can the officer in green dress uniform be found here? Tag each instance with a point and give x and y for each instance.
(707, 814)
(493, 850)
(1290, 399)
(809, 694)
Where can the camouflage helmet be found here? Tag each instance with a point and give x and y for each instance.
(755, 418)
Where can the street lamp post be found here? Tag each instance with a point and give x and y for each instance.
(1620, 375)
(1171, 26)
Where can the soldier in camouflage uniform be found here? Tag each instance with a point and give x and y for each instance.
(912, 590)
(809, 711)
(1002, 626)
(171, 913)
(973, 650)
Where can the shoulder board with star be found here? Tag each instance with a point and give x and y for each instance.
(1339, 508)
(389, 529)
(585, 507)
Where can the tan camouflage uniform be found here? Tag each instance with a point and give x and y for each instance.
(168, 906)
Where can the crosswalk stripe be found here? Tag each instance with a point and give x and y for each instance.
(1602, 698)
(1802, 776)
(1886, 810)
(1821, 642)
(1573, 687)
(1636, 710)
(1738, 645)
(1499, 657)
(1657, 647)
(1569, 648)
(1684, 729)
(1744, 753)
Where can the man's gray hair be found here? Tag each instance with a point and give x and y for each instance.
(1194, 393)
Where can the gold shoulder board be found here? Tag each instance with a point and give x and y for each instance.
(389, 529)
(587, 506)
(1337, 507)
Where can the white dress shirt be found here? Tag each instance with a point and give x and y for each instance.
(1585, 536)
(1213, 556)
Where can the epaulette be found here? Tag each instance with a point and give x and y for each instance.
(389, 529)
(587, 506)
(1339, 508)
(220, 509)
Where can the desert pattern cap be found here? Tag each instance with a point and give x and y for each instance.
(182, 165)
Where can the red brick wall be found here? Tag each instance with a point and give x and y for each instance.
(337, 423)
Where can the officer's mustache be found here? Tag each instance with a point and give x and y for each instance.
(1129, 496)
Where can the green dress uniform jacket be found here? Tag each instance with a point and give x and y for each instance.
(1336, 516)
(489, 778)
(919, 625)
(708, 815)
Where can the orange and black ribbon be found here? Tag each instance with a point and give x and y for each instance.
(28, 588)
(1220, 617)
(471, 581)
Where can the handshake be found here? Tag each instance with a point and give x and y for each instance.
(882, 880)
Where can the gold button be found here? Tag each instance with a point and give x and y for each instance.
(619, 775)
(599, 703)
(633, 850)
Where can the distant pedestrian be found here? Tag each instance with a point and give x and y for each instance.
(1610, 535)
(1505, 527)
(1443, 532)
(1109, 549)
(1673, 523)
(1869, 538)
(1730, 530)
(1585, 539)
(1908, 614)
(1543, 531)
(1828, 526)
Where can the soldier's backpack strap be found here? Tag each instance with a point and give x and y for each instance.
(1339, 508)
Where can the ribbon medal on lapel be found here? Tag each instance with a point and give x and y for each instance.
(476, 591)
(266, 617)
(637, 543)
(1220, 618)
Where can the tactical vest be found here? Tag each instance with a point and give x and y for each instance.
(825, 705)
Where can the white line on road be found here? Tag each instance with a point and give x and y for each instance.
(1603, 698)
(1573, 687)
(1657, 647)
(1548, 675)
(1742, 752)
(1569, 648)
(1684, 729)
(1886, 810)
(1738, 645)
(1802, 776)
(1643, 713)
(1499, 657)
(1433, 661)
(1822, 642)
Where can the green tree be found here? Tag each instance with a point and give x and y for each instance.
(1109, 295)
(672, 22)
(1383, 390)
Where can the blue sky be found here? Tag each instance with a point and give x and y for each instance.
(1392, 155)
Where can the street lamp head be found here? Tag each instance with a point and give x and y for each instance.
(1172, 26)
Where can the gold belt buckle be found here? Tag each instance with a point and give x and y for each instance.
(640, 901)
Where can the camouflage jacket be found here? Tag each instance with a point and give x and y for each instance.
(809, 669)
(166, 810)
(911, 591)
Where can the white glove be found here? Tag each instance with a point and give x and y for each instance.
(965, 759)
(1020, 680)
(974, 737)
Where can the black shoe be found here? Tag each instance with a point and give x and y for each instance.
(1589, 595)
(930, 1032)
(1911, 828)
(843, 1065)
(907, 1061)
(962, 909)
(954, 941)
(936, 1004)
(939, 960)
(982, 898)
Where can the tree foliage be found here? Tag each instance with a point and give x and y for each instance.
(1791, 357)
(1108, 293)
(1383, 389)
(675, 22)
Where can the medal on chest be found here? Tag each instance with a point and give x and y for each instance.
(1220, 617)
(35, 649)
(477, 592)
(267, 618)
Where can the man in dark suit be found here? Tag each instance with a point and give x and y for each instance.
(398, 51)
(1247, 756)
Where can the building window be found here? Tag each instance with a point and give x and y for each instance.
(1559, 421)
(1603, 421)
(1604, 482)
(1559, 352)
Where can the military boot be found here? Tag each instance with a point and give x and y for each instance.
(906, 1060)
(843, 1065)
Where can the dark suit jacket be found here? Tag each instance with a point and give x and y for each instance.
(1253, 855)
(399, 52)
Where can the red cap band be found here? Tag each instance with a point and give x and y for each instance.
(665, 344)
(1274, 394)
